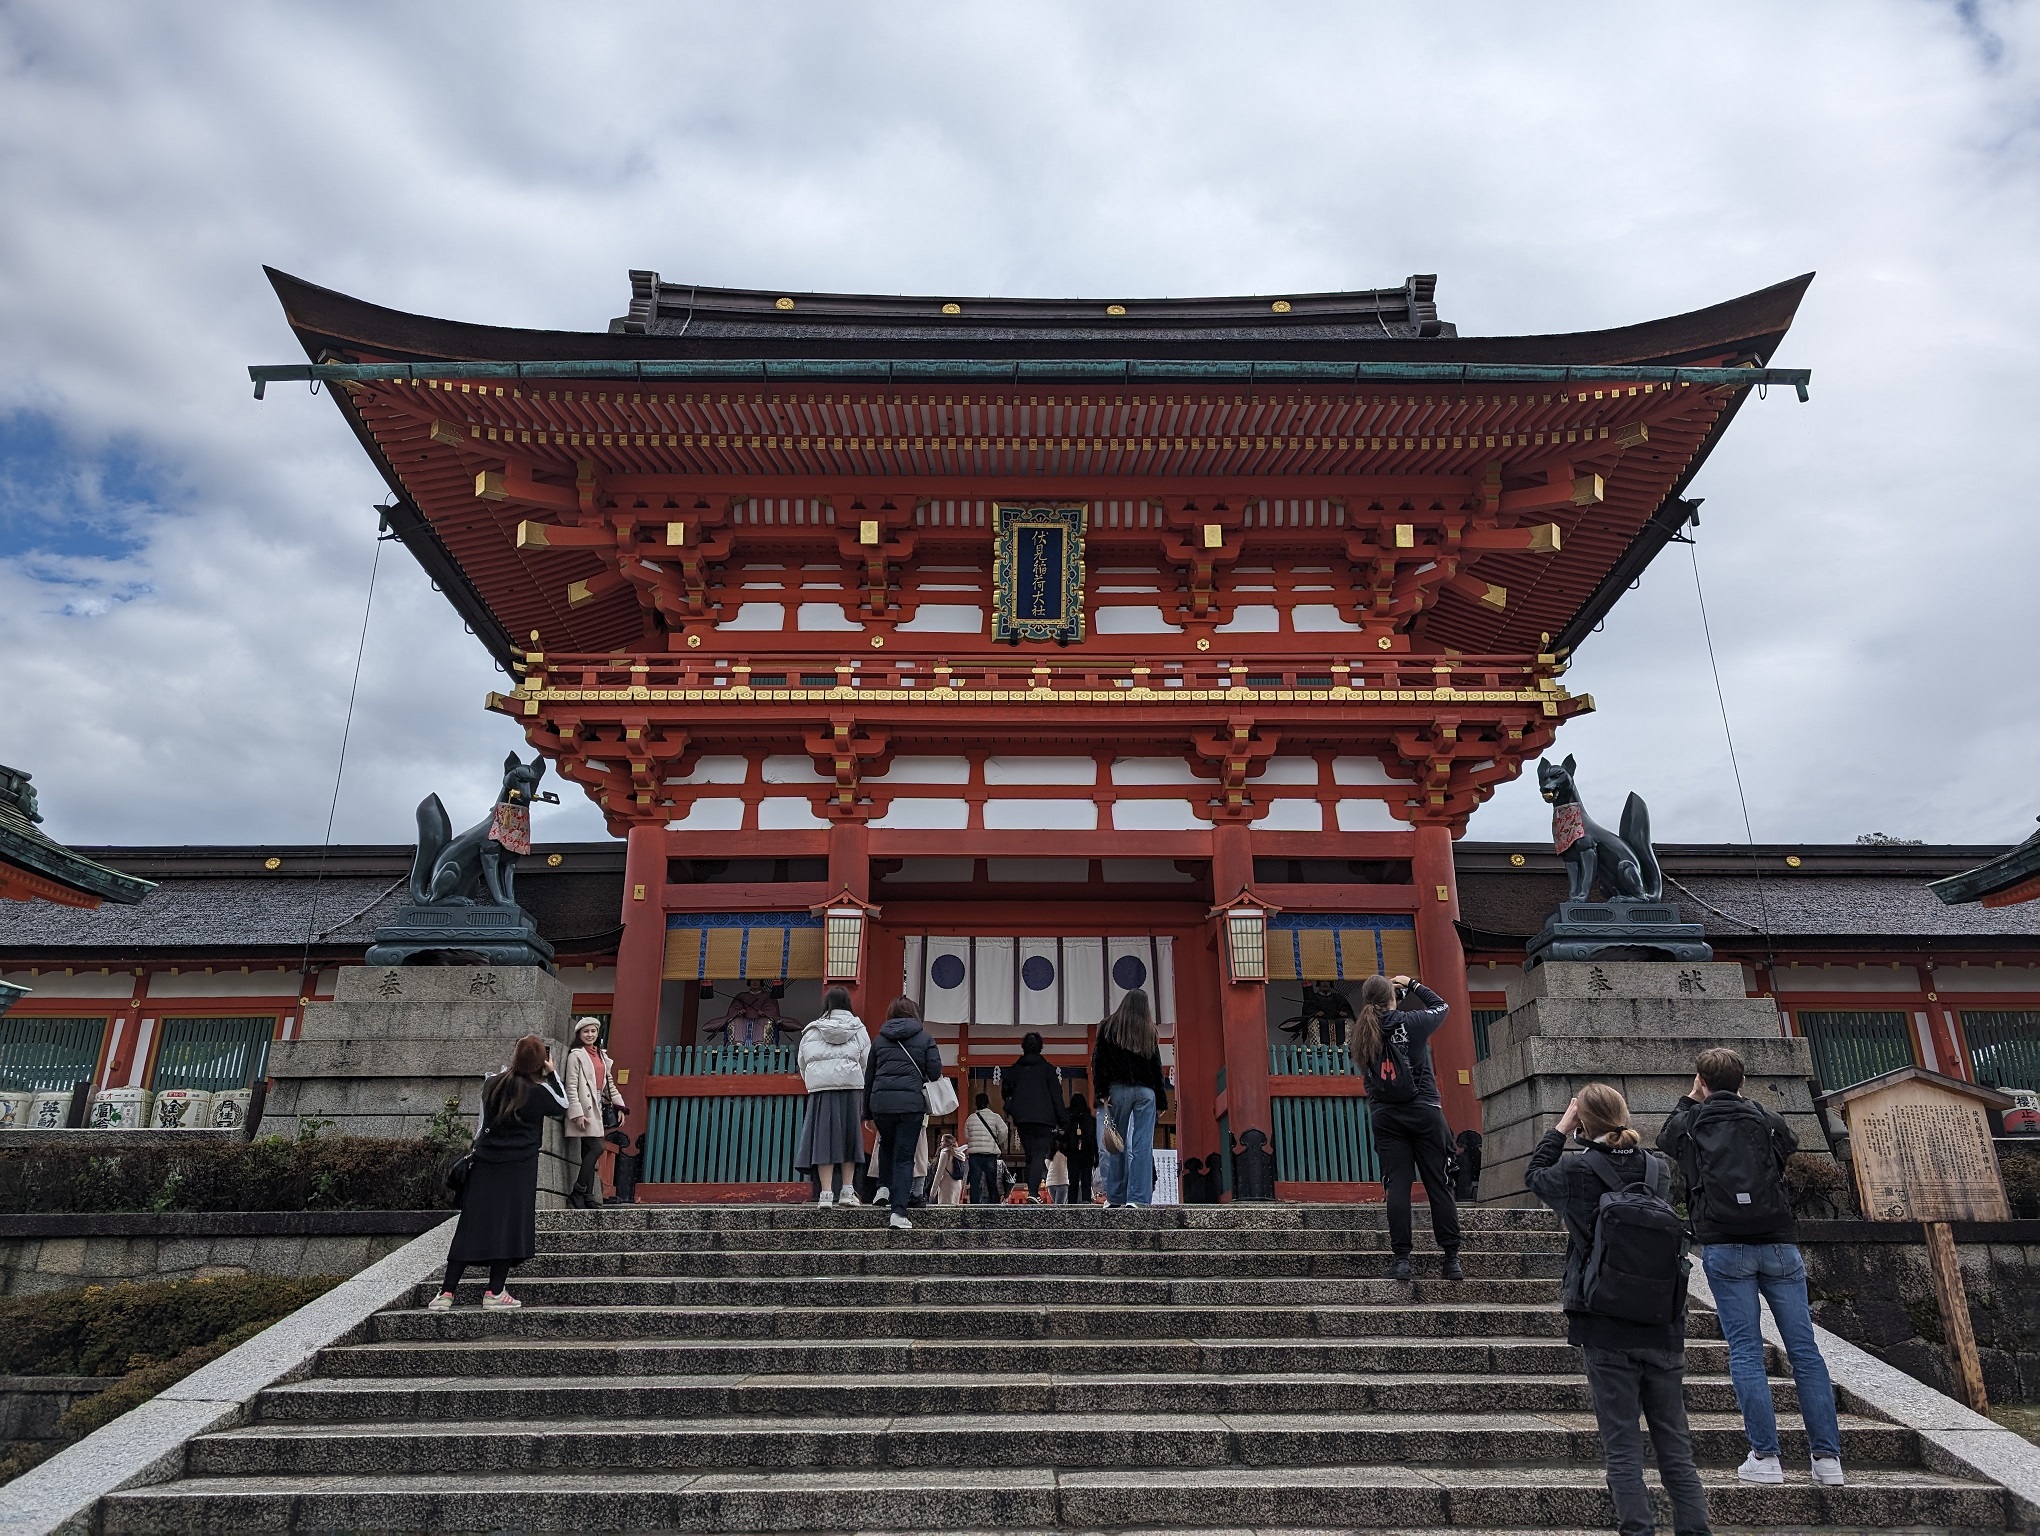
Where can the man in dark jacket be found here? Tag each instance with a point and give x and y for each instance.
(1733, 1152)
(903, 1057)
(1034, 1103)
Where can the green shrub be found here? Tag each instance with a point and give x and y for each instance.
(150, 1334)
(312, 1173)
(109, 1330)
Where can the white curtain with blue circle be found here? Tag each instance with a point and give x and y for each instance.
(1035, 982)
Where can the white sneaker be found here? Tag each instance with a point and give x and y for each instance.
(901, 1224)
(828, 1198)
(443, 1302)
(883, 1196)
(848, 1197)
(1761, 1469)
(499, 1301)
(1827, 1470)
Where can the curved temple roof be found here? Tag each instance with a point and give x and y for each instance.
(35, 866)
(1376, 361)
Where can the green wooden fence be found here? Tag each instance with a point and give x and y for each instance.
(724, 1060)
(1851, 1047)
(741, 1139)
(2004, 1046)
(1311, 1061)
(213, 1055)
(44, 1055)
(1324, 1141)
(1483, 1020)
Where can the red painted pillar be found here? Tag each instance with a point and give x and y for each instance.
(1443, 961)
(1200, 1046)
(640, 962)
(1243, 1022)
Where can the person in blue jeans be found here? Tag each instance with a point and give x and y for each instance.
(1746, 1267)
(1126, 1074)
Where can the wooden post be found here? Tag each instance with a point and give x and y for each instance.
(1963, 1359)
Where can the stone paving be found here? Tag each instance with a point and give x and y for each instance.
(1054, 1370)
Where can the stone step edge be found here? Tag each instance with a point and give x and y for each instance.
(146, 1445)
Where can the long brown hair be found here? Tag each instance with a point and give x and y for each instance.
(1604, 1117)
(504, 1094)
(1377, 1000)
(1131, 1026)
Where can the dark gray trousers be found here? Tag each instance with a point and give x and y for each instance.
(1629, 1384)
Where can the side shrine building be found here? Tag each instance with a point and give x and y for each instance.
(1016, 653)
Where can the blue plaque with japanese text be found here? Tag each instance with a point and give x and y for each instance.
(1038, 572)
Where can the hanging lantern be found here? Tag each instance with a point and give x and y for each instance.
(1246, 937)
(843, 936)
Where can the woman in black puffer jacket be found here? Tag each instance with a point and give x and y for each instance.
(1033, 1098)
(902, 1059)
(1411, 1138)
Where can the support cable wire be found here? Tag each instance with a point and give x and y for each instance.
(382, 536)
(1749, 831)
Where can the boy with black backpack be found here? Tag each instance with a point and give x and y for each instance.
(1625, 1300)
(1732, 1151)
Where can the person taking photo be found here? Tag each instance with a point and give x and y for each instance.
(1392, 1046)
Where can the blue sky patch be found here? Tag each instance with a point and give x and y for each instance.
(75, 519)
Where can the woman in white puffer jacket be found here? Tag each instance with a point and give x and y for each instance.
(832, 1054)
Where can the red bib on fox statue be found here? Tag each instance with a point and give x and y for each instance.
(512, 828)
(1568, 825)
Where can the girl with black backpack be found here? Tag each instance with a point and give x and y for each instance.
(1624, 1300)
(1411, 1139)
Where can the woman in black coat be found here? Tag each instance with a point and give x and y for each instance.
(1032, 1090)
(1080, 1149)
(1411, 1138)
(498, 1209)
(903, 1057)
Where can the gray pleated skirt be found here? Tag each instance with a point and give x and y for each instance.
(832, 1131)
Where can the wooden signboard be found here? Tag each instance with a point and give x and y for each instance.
(1922, 1148)
(1922, 1151)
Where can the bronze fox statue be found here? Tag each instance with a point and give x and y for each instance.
(1625, 862)
(452, 871)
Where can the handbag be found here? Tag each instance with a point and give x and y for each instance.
(1108, 1130)
(938, 1093)
(457, 1176)
(612, 1117)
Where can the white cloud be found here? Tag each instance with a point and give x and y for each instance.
(1868, 556)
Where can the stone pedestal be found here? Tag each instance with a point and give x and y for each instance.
(396, 1042)
(1636, 1025)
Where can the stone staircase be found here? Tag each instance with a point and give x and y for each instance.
(762, 1369)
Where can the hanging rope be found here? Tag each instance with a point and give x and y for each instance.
(1749, 832)
(340, 768)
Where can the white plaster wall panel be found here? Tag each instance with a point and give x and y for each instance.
(1368, 816)
(223, 984)
(1361, 770)
(598, 979)
(793, 768)
(1038, 871)
(823, 616)
(1157, 816)
(924, 770)
(1152, 770)
(758, 616)
(1987, 978)
(716, 770)
(1319, 619)
(86, 984)
(1287, 770)
(1132, 621)
(1041, 770)
(1041, 816)
(1846, 978)
(1252, 619)
(710, 815)
(1292, 816)
(1497, 978)
(945, 619)
(905, 815)
(787, 813)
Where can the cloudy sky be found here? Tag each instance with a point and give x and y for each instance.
(183, 570)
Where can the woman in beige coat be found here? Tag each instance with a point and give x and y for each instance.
(590, 1081)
